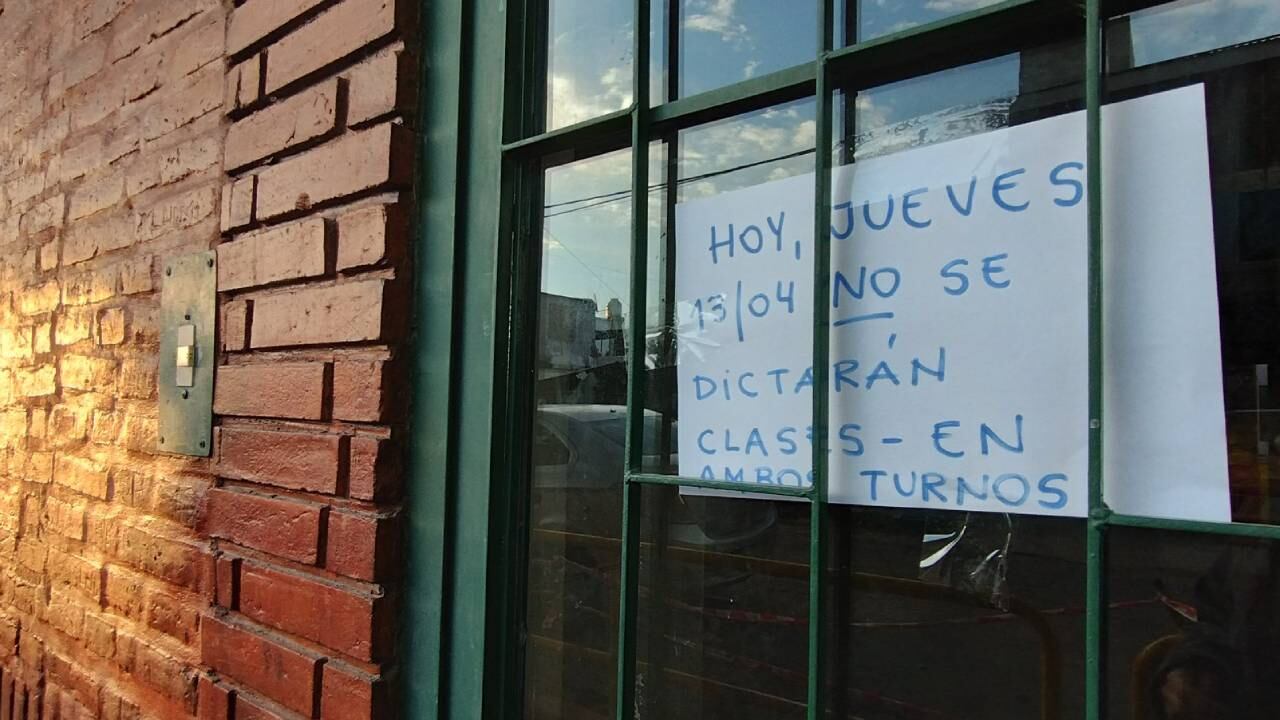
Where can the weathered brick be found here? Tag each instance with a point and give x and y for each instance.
(347, 619)
(37, 382)
(214, 700)
(299, 119)
(111, 326)
(96, 194)
(238, 202)
(82, 476)
(235, 326)
(290, 390)
(135, 276)
(378, 86)
(299, 461)
(175, 213)
(351, 164)
(282, 673)
(336, 33)
(83, 372)
(358, 391)
(256, 19)
(244, 84)
(198, 47)
(202, 94)
(360, 545)
(373, 471)
(40, 299)
(370, 235)
(287, 528)
(73, 326)
(350, 312)
(47, 214)
(65, 519)
(288, 252)
(89, 287)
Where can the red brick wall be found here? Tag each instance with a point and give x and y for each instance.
(261, 582)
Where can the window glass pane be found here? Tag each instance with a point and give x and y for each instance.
(722, 42)
(575, 476)
(862, 20)
(693, 316)
(589, 59)
(1193, 626)
(950, 612)
(1226, 407)
(723, 616)
(1187, 27)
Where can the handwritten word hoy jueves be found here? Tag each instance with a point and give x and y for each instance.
(914, 208)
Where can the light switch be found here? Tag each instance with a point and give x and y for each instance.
(188, 311)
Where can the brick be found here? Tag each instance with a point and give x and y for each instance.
(286, 528)
(378, 86)
(138, 377)
(346, 619)
(83, 158)
(164, 557)
(100, 234)
(358, 391)
(244, 84)
(360, 545)
(48, 256)
(64, 518)
(74, 325)
(284, 674)
(237, 203)
(214, 701)
(289, 252)
(38, 382)
(47, 214)
(89, 287)
(372, 474)
(203, 94)
(351, 312)
(96, 14)
(357, 162)
(336, 33)
(83, 372)
(227, 578)
(72, 572)
(200, 46)
(40, 299)
(82, 476)
(111, 326)
(298, 461)
(302, 118)
(235, 326)
(256, 19)
(175, 213)
(99, 636)
(294, 390)
(135, 276)
(366, 236)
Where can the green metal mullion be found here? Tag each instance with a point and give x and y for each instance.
(611, 128)
(700, 484)
(1249, 530)
(967, 37)
(1096, 590)
(631, 496)
(757, 93)
(818, 509)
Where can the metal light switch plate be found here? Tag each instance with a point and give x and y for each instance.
(188, 318)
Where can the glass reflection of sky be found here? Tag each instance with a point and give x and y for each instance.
(1188, 27)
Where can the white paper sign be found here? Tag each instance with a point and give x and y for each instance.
(959, 347)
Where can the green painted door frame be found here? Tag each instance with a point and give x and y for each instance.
(454, 627)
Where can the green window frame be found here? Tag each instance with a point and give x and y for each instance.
(480, 149)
